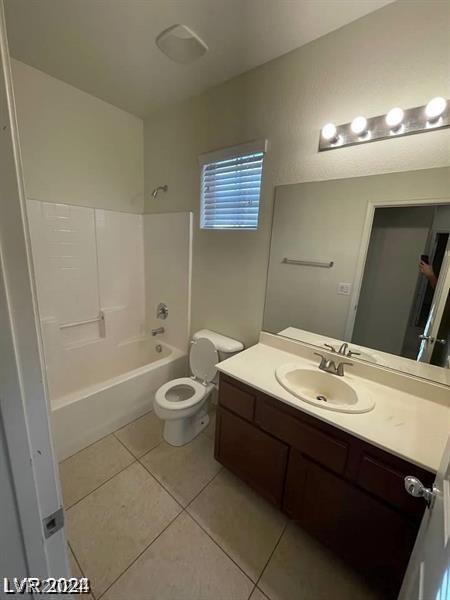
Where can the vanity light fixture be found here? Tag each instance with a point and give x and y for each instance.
(394, 119)
(329, 133)
(396, 123)
(435, 108)
(359, 126)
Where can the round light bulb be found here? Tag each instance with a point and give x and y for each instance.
(394, 117)
(359, 125)
(329, 131)
(435, 107)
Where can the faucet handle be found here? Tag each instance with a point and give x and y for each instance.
(323, 360)
(340, 368)
(330, 347)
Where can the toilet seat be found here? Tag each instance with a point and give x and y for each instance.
(183, 403)
(199, 392)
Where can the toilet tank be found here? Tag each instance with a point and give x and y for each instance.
(224, 345)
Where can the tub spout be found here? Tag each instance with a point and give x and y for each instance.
(158, 331)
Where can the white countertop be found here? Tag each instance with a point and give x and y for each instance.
(406, 425)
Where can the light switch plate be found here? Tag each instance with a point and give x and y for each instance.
(344, 289)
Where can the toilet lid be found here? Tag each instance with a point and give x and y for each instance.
(202, 359)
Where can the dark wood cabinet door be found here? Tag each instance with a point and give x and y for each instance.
(256, 457)
(372, 536)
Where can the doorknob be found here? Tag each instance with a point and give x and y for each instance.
(416, 488)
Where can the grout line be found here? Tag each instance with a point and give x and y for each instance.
(85, 448)
(204, 487)
(161, 484)
(66, 508)
(132, 453)
(220, 547)
(141, 553)
(135, 459)
(79, 566)
(270, 557)
(104, 437)
(251, 593)
(136, 419)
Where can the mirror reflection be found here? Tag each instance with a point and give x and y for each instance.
(369, 280)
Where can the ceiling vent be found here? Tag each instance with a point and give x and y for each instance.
(181, 44)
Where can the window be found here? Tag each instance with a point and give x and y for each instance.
(231, 187)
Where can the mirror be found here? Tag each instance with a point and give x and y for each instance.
(362, 265)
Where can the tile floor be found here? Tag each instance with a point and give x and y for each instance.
(147, 521)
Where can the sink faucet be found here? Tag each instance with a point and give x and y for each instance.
(330, 366)
(344, 350)
(157, 331)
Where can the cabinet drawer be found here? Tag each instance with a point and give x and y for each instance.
(316, 444)
(387, 482)
(236, 399)
(256, 457)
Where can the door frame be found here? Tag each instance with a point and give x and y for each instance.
(23, 390)
(438, 304)
(372, 205)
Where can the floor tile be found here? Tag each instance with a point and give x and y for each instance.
(210, 430)
(109, 528)
(89, 468)
(182, 564)
(301, 563)
(76, 572)
(258, 595)
(141, 435)
(183, 470)
(241, 522)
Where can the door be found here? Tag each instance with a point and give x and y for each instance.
(428, 573)
(23, 398)
(430, 337)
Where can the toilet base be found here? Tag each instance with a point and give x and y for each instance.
(178, 432)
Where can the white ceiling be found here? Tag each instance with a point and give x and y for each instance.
(107, 47)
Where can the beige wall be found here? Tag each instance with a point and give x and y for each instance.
(77, 149)
(398, 55)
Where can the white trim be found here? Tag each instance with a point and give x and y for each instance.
(364, 247)
(233, 151)
(23, 403)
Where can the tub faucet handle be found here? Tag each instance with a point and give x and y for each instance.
(162, 312)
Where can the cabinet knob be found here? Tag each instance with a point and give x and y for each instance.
(416, 488)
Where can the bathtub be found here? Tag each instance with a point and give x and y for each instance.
(83, 416)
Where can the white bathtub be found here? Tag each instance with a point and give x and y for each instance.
(81, 417)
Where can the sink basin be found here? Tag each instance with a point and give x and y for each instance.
(331, 392)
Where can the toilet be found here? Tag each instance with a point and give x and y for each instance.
(182, 403)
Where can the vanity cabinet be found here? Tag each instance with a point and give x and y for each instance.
(346, 492)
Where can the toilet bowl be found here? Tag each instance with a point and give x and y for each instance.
(182, 403)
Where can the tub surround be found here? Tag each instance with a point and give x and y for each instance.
(411, 417)
(100, 275)
(168, 266)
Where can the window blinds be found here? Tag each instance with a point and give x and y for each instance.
(231, 187)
